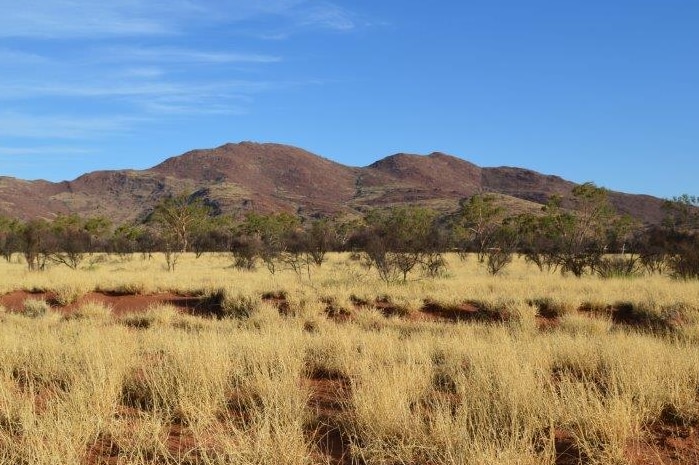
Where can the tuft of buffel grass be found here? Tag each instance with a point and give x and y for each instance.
(35, 308)
(94, 311)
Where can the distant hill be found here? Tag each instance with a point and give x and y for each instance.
(236, 178)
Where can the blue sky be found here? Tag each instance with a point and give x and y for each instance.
(601, 91)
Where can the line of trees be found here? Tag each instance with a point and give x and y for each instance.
(578, 235)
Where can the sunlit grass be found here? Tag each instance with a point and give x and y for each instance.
(160, 386)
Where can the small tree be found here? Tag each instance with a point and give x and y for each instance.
(124, 239)
(35, 243)
(684, 261)
(653, 246)
(216, 235)
(321, 237)
(72, 240)
(394, 241)
(477, 222)
(177, 219)
(10, 231)
(98, 230)
(504, 243)
(681, 234)
(682, 213)
(436, 241)
(536, 245)
(295, 253)
(264, 237)
(570, 239)
(246, 250)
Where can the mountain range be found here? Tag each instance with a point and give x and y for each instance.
(266, 177)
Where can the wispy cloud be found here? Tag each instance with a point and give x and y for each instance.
(53, 19)
(325, 15)
(294, 12)
(21, 58)
(303, 16)
(181, 56)
(84, 89)
(122, 64)
(190, 109)
(24, 125)
(137, 91)
(146, 93)
(141, 72)
(81, 18)
(47, 150)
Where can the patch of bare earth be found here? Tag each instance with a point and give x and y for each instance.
(330, 393)
(118, 303)
(670, 440)
(567, 452)
(279, 300)
(664, 443)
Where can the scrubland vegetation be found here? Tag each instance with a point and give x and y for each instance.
(336, 365)
(406, 336)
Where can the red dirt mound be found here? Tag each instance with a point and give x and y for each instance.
(118, 303)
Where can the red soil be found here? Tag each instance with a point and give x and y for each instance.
(118, 303)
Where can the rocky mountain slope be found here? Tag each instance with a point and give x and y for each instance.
(236, 178)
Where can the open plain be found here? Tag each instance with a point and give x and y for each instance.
(123, 362)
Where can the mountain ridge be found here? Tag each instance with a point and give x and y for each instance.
(265, 177)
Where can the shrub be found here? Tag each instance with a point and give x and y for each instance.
(126, 288)
(646, 317)
(618, 267)
(91, 311)
(499, 310)
(212, 300)
(497, 259)
(68, 294)
(220, 303)
(685, 265)
(157, 314)
(239, 306)
(549, 307)
(35, 308)
(433, 264)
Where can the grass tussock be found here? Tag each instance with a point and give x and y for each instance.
(68, 293)
(35, 308)
(94, 311)
(154, 315)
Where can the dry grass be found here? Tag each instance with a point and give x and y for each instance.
(160, 386)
